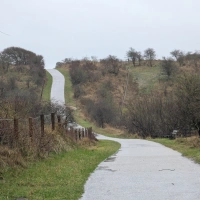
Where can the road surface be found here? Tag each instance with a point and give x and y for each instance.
(57, 90)
(144, 170)
(140, 170)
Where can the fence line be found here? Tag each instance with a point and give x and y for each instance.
(33, 129)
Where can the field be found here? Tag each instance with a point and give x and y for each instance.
(146, 77)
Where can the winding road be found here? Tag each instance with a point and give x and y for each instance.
(58, 85)
(140, 170)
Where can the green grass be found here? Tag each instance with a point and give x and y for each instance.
(68, 87)
(59, 177)
(47, 88)
(183, 145)
(146, 77)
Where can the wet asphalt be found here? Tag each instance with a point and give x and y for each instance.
(144, 170)
(140, 170)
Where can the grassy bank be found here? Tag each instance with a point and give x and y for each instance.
(79, 117)
(189, 147)
(58, 177)
(47, 88)
(68, 87)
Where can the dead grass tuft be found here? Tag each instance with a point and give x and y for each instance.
(193, 141)
(86, 142)
(10, 158)
(26, 149)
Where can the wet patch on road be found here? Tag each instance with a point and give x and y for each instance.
(110, 159)
(105, 168)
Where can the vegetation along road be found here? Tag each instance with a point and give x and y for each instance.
(142, 170)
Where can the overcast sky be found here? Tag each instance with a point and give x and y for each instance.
(59, 29)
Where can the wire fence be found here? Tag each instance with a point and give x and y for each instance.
(33, 129)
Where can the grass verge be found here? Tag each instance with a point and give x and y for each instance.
(68, 87)
(47, 88)
(59, 177)
(189, 147)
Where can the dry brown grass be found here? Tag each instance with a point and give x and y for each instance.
(118, 84)
(10, 158)
(193, 141)
(26, 149)
(86, 142)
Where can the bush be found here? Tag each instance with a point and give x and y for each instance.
(78, 91)
(111, 65)
(103, 111)
(78, 75)
(153, 115)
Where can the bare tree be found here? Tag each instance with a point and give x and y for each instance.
(132, 54)
(152, 115)
(193, 58)
(179, 56)
(4, 63)
(150, 55)
(168, 66)
(139, 57)
(112, 64)
(188, 95)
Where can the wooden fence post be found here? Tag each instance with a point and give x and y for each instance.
(16, 128)
(83, 133)
(79, 134)
(72, 131)
(30, 121)
(59, 121)
(86, 132)
(42, 124)
(53, 121)
(90, 132)
(76, 135)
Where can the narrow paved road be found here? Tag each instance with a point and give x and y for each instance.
(57, 90)
(141, 170)
(144, 170)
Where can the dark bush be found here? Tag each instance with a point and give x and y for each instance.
(78, 75)
(111, 65)
(78, 91)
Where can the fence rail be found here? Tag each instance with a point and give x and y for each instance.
(12, 130)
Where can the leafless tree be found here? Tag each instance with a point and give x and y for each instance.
(150, 55)
(168, 67)
(132, 54)
(179, 56)
(112, 64)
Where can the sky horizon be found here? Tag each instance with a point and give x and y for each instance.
(84, 28)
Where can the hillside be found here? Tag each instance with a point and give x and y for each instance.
(147, 100)
(22, 79)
